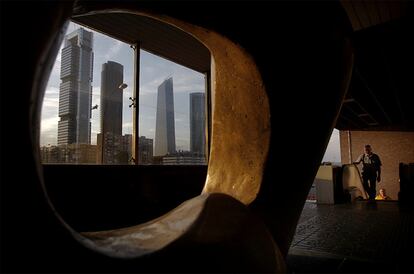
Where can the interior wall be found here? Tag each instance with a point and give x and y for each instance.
(102, 197)
(392, 148)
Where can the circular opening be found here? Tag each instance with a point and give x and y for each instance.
(239, 138)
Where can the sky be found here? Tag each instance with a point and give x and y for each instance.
(154, 70)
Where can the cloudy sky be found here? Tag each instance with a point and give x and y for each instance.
(154, 70)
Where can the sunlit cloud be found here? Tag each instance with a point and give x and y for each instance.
(52, 90)
(127, 126)
(52, 103)
(49, 121)
(48, 130)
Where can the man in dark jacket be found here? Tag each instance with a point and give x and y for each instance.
(371, 171)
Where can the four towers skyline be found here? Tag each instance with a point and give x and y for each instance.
(75, 101)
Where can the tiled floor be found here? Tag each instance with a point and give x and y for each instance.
(354, 238)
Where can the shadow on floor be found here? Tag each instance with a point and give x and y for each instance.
(363, 237)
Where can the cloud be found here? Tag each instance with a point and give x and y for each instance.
(127, 127)
(48, 139)
(151, 87)
(50, 104)
(147, 118)
(185, 82)
(49, 124)
(113, 50)
(181, 84)
(51, 90)
(49, 121)
(154, 70)
(96, 90)
(55, 74)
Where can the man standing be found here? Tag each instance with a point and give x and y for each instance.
(371, 170)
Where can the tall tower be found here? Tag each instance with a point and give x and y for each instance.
(75, 92)
(165, 128)
(197, 123)
(112, 77)
(110, 139)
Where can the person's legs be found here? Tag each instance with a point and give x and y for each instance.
(373, 184)
(366, 185)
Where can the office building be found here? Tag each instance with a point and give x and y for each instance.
(75, 92)
(113, 148)
(145, 150)
(197, 123)
(165, 128)
(112, 76)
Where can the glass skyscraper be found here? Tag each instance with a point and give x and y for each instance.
(75, 92)
(112, 76)
(197, 123)
(165, 127)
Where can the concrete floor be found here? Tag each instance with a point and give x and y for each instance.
(366, 236)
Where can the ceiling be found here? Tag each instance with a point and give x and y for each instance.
(154, 36)
(364, 14)
(381, 91)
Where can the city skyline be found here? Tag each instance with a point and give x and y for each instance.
(153, 70)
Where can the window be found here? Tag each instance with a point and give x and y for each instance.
(172, 116)
(84, 118)
(88, 108)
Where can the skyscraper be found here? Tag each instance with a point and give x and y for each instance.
(165, 128)
(197, 123)
(75, 92)
(112, 76)
(145, 150)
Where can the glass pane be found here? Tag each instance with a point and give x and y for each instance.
(85, 113)
(172, 113)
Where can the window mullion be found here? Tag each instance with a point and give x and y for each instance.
(135, 101)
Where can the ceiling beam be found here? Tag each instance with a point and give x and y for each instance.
(391, 83)
(374, 97)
